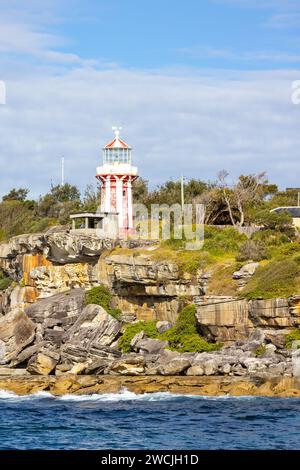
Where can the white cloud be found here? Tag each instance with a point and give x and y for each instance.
(199, 52)
(193, 125)
(191, 122)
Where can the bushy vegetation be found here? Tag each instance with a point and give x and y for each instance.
(291, 337)
(278, 278)
(21, 215)
(101, 295)
(182, 337)
(252, 250)
(237, 203)
(220, 242)
(132, 329)
(5, 281)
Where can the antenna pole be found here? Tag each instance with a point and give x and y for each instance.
(62, 171)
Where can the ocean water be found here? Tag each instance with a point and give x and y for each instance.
(150, 421)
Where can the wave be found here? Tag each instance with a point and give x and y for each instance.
(123, 395)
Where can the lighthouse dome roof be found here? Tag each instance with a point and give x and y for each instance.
(117, 142)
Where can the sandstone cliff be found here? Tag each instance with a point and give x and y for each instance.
(46, 327)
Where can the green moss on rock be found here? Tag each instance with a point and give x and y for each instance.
(101, 295)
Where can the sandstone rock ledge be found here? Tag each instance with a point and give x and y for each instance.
(189, 385)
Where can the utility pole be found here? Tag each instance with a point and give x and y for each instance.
(62, 171)
(182, 192)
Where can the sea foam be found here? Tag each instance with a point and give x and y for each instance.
(122, 396)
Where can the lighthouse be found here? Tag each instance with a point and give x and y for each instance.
(117, 175)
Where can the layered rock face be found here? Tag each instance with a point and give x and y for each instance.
(47, 329)
(46, 264)
(60, 334)
(229, 319)
(145, 289)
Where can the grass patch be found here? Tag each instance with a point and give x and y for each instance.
(276, 279)
(182, 337)
(260, 351)
(149, 327)
(101, 295)
(222, 242)
(221, 282)
(291, 337)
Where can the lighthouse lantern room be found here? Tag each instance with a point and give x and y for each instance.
(117, 175)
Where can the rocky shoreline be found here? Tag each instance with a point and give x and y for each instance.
(21, 385)
(52, 339)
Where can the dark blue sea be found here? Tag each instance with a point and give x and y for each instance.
(151, 421)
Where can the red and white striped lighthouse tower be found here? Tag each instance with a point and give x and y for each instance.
(117, 175)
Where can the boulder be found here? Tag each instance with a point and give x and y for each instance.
(140, 343)
(174, 367)
(16, 332)
(131, 365)
(163, 326)
(94, 326)
(195, 370)
(78, 368)
(257, 335)
(58, 310)
(136, 340)
(254, 365)
(226, 369)
(210, 367)
(41, 364)
(245, 273)
(64, 247)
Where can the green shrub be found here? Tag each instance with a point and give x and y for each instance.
(184, 337)
(270, 238)
(276, 279)
(260, 351)
(222, 241)
(149, 327)
(291, 337)
(252, 250)
(101, 295)
(5, 281)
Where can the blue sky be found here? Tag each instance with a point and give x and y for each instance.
(197, 85)
(204, 33)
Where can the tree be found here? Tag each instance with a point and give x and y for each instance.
(248, 189)
(16, 195)
(215, 208)
(140, 191)
(280, 221)
(91, 198)
(65, 193)
(59, 202)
